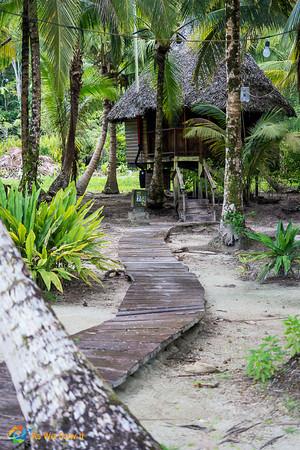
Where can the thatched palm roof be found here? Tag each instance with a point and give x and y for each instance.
(264, 95)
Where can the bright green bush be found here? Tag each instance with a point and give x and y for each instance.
(236, 220)
(264, 361)
(282, 252)
(292, 334)
(59, 240)
(10, 142)
(51, 146)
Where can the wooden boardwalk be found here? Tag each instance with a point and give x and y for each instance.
(163, 302)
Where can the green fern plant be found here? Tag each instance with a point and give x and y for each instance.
(282, 253)
(58, 241)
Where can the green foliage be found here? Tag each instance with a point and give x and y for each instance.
(9, 143)
(50, 146)
(282, 252)
(265, 360)
(190, 178)
(292, 334)
(271, 143)
(236, 220)
(58, 241)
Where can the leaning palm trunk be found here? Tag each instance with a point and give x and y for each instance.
(111, 186)
(233, 188)
(156, 189)
(83, 182)
(69, 158)
(58, 390)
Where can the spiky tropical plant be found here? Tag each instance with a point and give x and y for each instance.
(58, 241)
(282, 253)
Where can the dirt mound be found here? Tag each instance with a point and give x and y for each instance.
(11, 164)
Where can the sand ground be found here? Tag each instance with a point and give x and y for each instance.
(181, 405)
(164, 394)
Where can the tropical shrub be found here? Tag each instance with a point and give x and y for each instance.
(282, 252)
(264, 361)
(236, 220)
(58, 241)
(292, 334)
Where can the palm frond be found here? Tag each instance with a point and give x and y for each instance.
(212, 112)
(209, 133)
(161, 16)
(97, 86)
(59, 41)
(172, 89)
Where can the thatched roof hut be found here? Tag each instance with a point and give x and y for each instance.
(263, 94)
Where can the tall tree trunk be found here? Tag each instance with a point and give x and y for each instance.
(156, 189)
(35, 124)
(25, 88)
(69, 159)
(31, 156)
(111, 186)
(57, 388)
(84, 180)
(233, 186)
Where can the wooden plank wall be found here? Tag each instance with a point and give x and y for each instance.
(131, 133)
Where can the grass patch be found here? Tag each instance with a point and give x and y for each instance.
(126, 182)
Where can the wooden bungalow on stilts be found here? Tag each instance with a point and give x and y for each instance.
(137, 110)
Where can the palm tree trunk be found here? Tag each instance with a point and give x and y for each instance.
(58, 390)
(156, 189)
(83, 182)
(233, 187)
(35, 124)
(111, 186)
(25, 90)
(69, 159)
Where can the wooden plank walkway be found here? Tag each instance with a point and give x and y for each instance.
(163, 302)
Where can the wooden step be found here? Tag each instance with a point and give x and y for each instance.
(199, 218)
(198, 201)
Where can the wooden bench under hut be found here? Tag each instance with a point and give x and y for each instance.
(137, 109)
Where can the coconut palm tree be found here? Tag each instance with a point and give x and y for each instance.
(160, 19)
(41, 19)
(69, 158)
(30, 153)
(107, 54)
(233, 188)
(57, 388)
(232, 19)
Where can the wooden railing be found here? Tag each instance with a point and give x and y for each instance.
(180, 196)
(213, 187)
